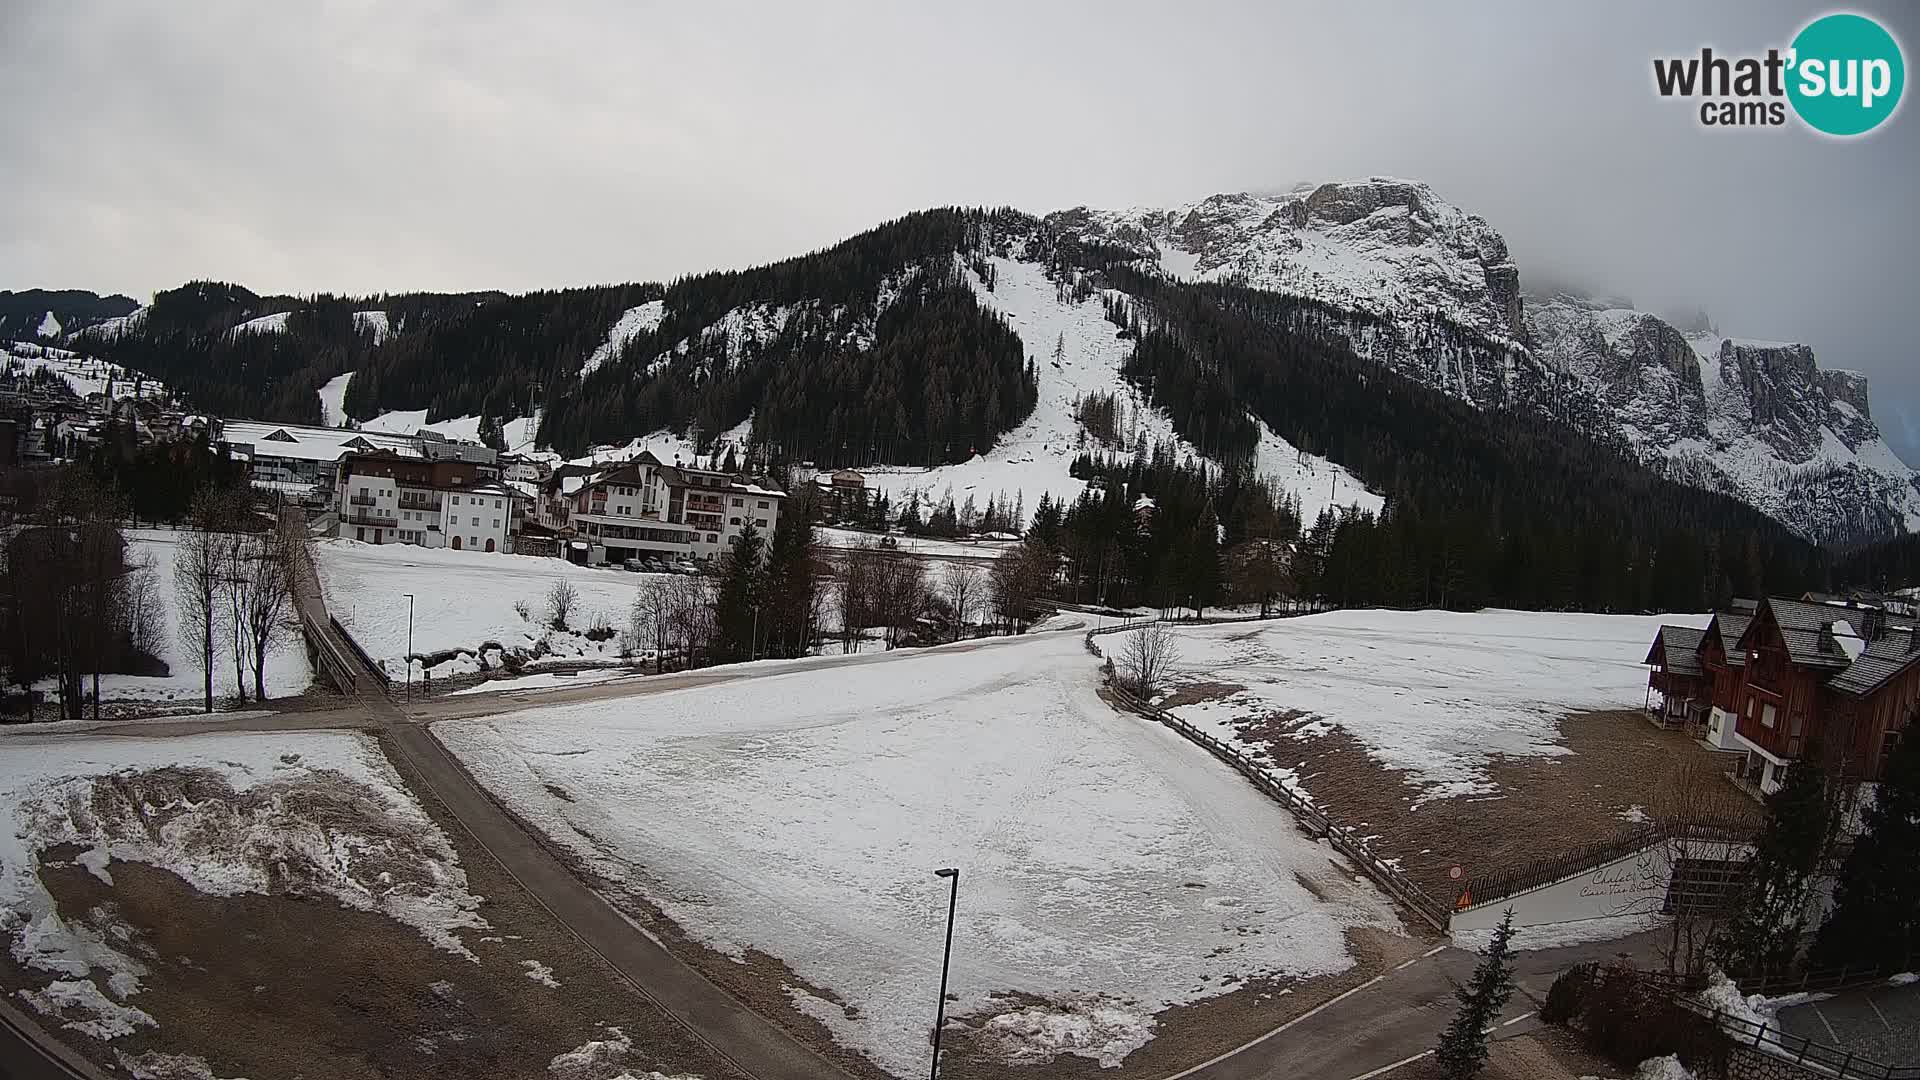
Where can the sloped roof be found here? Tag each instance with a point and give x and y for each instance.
(1731, 625)
(1677, 647)
(1882, 660)
(1804, 627)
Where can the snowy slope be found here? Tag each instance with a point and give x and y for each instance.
(332, 414)
(83, 374)
(1034, 457)
(634, 321)
(1109, 871)
(1759, 420)
(49, 326)
(374, 322)
(265, 324)
(518, 430)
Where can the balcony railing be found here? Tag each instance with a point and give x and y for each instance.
(361, 500)
(373, 517)
(419, 504)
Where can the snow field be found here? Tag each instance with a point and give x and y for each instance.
(1432, 692)
(102, 795)
(1106, 867)
(463, 599)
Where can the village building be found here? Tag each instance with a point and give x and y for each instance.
(1781, 679)
(385, 497)
(644, 510)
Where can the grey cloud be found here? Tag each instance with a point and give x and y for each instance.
(363, 147)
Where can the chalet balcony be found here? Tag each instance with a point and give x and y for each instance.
(1748, 784)
(382, 518)
(361, 500)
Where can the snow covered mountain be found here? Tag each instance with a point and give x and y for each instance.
(1760, 421)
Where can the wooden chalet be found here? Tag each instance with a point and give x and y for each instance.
(1781, 677)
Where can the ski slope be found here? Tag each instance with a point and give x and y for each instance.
(1034, 457)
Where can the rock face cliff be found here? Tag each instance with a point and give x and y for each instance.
(1760, 421)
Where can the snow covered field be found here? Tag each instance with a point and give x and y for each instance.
(223, 812)
(919, 545)
(463, 599)
(1432, 692)
(1108, 868)
(287, 672)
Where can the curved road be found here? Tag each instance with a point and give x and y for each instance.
(1385, 1022)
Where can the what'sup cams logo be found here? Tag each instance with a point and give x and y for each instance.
(1842, 75)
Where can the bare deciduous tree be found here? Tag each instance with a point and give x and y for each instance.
(652, 616)
(964, 585)
(1688, 871)
(562, 598)
(267, 564)
(1146, 657)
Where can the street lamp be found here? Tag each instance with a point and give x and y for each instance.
(940, 1013)
(409, 597)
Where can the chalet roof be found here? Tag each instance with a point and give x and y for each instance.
(1806, 629)
(1882, 660)
(1731, 626)
(1677, 647)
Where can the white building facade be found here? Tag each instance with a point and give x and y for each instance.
(385, 499)
(650, 511)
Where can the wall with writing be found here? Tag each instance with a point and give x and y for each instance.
(1617, 897)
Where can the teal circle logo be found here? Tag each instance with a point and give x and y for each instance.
(1846, 74)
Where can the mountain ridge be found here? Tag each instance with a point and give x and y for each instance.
(1410, 281)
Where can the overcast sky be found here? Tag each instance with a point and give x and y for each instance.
(361, 147)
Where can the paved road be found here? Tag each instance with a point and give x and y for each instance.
(1880, 1023)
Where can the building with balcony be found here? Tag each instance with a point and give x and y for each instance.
(388, 498)
(1791, 678)
(646, 510)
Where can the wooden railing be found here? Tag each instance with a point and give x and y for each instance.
(1384, 874)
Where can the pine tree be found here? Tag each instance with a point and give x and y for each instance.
(739, 597)
(1876, 911)
(1202, 568)
(1764, 933)
(791, 581)
(1463, 1046)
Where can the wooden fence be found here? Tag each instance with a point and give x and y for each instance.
(1384, 874)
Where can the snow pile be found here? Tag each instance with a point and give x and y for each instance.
(1091, 1028)
(1564, 934)
(592, 1059)
(631, 324)
(1106, 867)
(1435, 693)
(333, 395)
(1662, 1068)
(154, 1065)
(540, 973)
(318, 814)
(1845, 637)
(466, 600)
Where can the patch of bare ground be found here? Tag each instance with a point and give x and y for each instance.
(1184, 1035)
(1543, 808)
(289, 986)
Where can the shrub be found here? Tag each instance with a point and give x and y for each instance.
(1567, 998)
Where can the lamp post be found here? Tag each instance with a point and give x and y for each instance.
(940, 1013)
(409, 597)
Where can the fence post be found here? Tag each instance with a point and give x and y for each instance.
(1758, 1035)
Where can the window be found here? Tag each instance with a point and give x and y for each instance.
(1766, 716)
(733, 521)
(712, 539)
(760, 522)
(476, 521)
(737, 502)
(763, 504)
(456, 500)
(496, 504)
(473, 541)
(496, 523)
